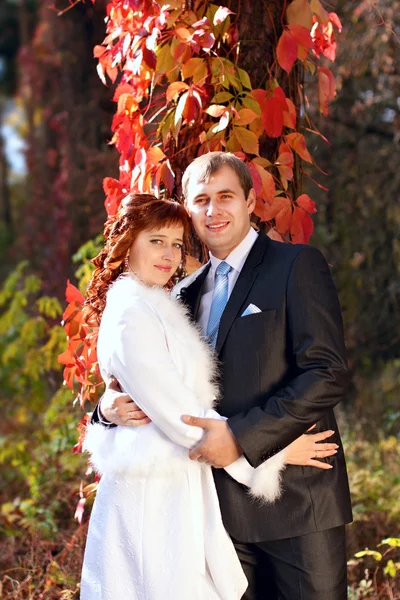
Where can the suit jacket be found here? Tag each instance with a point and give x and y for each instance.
(282, 370)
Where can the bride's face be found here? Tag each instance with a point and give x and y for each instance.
(155, 255)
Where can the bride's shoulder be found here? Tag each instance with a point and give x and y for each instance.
(129, 297)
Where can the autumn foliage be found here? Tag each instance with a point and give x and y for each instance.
(180, 92)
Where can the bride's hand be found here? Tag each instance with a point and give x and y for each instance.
(308, 448)
(119, 408)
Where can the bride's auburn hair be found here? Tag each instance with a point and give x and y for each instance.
(136, 213)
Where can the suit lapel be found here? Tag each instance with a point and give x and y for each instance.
(191, 295)
(242, 288)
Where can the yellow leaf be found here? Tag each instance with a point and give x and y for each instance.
(196, 68)
(165, 62)
(300, 13)
(318, 9)
(182, 33)
(247, 139)
(246, 116)
(390, 569)
(175, 90)
(155, 155)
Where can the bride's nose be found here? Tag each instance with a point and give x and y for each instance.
(168, 253)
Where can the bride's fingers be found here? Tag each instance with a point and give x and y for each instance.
(324, 453)
(319, 465)
(320, 437)
(320, 447)
(137, 422)
(312, 427)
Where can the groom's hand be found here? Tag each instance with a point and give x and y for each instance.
(119, 408)
(218, 447)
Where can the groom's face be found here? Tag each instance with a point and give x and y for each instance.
(220, 211)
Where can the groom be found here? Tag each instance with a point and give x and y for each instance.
(272, 313)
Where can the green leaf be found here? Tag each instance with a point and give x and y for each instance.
(222, 97)
(251, 103)
(244, 79)
(49, 307)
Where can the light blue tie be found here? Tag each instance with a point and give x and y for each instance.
(219, 301)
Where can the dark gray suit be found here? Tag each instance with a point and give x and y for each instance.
(283, 370)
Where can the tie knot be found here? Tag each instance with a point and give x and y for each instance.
(223, 268)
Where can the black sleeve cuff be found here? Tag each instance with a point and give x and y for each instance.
(97, 417)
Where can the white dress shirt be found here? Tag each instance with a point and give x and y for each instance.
(236, 260)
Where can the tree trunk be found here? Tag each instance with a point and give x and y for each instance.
(69, 114)
(260, 26)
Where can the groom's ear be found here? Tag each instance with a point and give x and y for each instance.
(251, 201)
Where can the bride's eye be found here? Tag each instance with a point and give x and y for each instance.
(179, 246)
(156, 241)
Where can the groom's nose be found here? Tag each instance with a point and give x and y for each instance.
(212, 208)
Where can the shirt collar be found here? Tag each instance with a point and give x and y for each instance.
(237, 257)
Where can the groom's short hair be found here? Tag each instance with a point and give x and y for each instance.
(204, 166)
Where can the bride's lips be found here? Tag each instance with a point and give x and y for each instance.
(217, 226)
(164, 269)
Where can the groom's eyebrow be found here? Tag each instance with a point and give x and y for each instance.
(227, 191)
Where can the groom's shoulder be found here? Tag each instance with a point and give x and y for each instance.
(187, 281)
(282, 251)
(284, 256)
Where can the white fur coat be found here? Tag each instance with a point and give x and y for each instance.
(148, 343)
(156, 529)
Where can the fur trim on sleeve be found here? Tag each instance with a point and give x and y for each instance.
(265, 482)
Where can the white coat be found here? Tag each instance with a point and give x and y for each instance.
(156, 531)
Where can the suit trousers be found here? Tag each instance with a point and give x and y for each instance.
(308, 567)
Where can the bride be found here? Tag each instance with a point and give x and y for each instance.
(155, 530)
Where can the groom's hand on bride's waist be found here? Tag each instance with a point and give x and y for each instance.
(119, 408)
(218, 447)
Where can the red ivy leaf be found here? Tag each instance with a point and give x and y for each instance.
(301, 35)
(335, 20)
(286, 51)
(72, 294)
(290, 115)
(279, 204)
(301, 226)
(326, 89)
(98, 51)
(283, 220)
(272, 113)
(149, 58)
(305, 202)
(256, 177)
(298, 143)
(268, 184)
